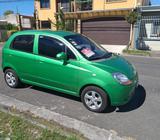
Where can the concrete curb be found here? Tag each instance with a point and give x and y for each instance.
(89, 131)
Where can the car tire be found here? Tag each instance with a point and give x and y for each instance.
(12, 79)
(94, 99)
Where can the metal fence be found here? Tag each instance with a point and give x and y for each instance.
(150, 28)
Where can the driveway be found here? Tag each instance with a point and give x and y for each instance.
(140, 118)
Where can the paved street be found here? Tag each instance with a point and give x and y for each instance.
(140, 118)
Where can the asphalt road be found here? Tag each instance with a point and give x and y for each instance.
(140, 118)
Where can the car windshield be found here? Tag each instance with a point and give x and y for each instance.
(88, 48)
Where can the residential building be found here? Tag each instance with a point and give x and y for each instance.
(117, 4)
(147, 33)
(24, 21)
(101, 20)
(12, 18)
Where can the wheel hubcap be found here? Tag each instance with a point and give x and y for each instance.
(93, 100)
(10, 78)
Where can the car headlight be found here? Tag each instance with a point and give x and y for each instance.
(121, 78)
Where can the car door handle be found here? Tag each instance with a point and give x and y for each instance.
(40, 61)
(10, 55)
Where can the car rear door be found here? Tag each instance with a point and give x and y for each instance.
(21, 56)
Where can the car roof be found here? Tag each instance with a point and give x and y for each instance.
(46, 32)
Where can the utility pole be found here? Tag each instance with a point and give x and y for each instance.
(36, 16)
(75, 21)
(20, 22)
(75, 6)
(17, 11)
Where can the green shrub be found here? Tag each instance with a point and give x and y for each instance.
(4, 36)
(9, 26)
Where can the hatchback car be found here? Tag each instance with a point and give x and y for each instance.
(70, 63)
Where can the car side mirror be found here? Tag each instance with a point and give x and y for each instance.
(62, 56)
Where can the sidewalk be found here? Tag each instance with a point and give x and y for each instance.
(155, 53)
(119, 49)
(114, 48)
(89, 131)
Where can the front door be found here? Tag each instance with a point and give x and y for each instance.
(53, 72)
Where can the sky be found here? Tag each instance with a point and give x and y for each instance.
(26, 7)
(22, 6)
(155, 2)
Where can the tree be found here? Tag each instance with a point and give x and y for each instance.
(8, 12)
(131, 18)
(60, 20)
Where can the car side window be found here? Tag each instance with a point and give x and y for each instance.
(23, 43)
(50, 47)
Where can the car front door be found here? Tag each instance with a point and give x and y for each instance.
(52, 72)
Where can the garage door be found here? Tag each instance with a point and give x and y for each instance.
(110, 31)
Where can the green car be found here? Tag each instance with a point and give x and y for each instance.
(70, 63)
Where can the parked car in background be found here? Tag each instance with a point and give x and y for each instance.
(70, 63)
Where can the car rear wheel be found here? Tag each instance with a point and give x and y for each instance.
(94, 99)
(12, 79)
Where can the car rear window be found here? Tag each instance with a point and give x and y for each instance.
(23, 43)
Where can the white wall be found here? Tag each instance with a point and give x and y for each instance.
(12, 18)
(114, 48)
(153, 45)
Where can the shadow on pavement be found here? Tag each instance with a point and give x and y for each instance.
(56, 93)
(136, 101)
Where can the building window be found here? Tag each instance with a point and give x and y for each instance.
(45, 24)
(83, 5)
(66, 5)
(44, 3)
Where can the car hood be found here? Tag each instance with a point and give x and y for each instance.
(116, 63)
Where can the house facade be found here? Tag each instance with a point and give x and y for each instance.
(147, 29)
(101, 20)
(117, 4)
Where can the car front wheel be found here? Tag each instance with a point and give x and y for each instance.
(94, 99)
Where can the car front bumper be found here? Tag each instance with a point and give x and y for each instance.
(120, 94)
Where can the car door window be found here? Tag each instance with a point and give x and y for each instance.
(23, 43)
(50, 47)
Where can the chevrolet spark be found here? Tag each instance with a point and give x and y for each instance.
(70, 63)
